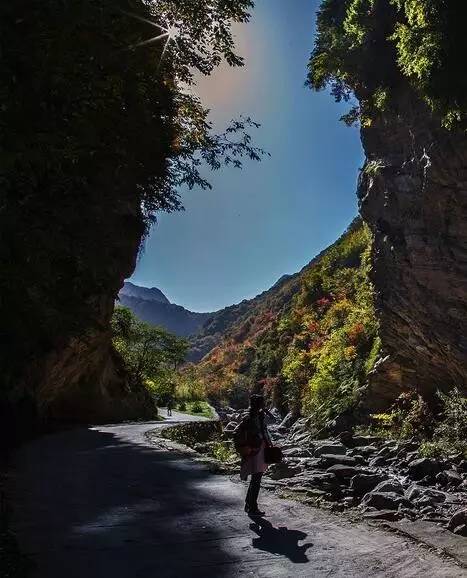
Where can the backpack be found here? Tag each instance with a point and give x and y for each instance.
(245, 443)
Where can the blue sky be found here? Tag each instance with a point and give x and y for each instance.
(272, 217)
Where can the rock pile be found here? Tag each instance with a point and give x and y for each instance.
(384, 479)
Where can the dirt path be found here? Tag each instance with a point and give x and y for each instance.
(103, 503)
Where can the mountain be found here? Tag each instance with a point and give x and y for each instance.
(152, 306)
(143, 293)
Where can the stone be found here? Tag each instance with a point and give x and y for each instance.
(458, 523)
(449, 478)
(363, 483)
(416, 492)
(342, 472)
(230, 427)
(332, 459)
(422, 467)
(297, 452)
(366, 450)
(288, 421)
(390, 486)
(378, 462)
(384, 500)
(388, 515)
(282, 470)
(334, 449)
(346, 437)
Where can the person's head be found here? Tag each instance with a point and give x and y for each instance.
(256, 403)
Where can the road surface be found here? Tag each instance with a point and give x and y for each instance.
(103, 503)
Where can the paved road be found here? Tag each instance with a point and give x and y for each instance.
(103, 503)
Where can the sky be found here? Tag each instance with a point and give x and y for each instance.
(269, 218)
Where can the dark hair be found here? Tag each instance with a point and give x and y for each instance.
(256, 402)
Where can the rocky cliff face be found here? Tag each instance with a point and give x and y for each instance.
(413, 194)
(57, 359)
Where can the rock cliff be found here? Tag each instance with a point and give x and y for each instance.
(413, 194)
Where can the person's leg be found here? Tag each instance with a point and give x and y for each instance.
(251, 500)
(255, 487)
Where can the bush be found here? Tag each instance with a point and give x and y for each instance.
(196, 407)
(223, 451)
(182, 406)
(409, 416)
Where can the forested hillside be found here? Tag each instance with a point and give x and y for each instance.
(310, 342)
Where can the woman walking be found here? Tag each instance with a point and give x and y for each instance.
(251, 438)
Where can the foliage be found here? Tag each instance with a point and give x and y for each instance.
(410, 416)
(223, 451)
(309, 344)
(188, 387)
(198, 408)
(370, 47)
(98, 131)
(442, 433)
(151, 354)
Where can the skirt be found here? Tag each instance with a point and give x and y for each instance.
(253, 464)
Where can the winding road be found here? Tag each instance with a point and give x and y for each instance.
(103, 502)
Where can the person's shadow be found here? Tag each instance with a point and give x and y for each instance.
(280, 540)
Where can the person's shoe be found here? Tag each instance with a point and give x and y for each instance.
(256, 512)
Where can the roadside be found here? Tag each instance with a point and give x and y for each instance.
(202, 444)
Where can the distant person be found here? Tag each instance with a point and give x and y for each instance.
(251, 437)
(170, 405)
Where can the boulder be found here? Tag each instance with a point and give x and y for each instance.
(384, 500)
(282, 470)
(449, 478)
(365, 450)
(230, 427)
(422, 467)
(416, 492)
(363, 483)
(332, 459)
(378, 461)
(297, 452)
(334, 449)
(390, 486)
(458, 523)
(323, 479)
(342, 471)
(288, 421)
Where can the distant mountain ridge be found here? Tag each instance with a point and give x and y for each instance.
(144, 293)
(152, 306)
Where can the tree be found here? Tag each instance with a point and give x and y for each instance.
(98, 130)
(149, 352)
(371, 47)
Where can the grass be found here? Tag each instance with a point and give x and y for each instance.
(200, 408)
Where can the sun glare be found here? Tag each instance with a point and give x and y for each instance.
(171, 33)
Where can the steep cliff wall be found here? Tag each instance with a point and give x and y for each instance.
(401, 61)
(413, 194)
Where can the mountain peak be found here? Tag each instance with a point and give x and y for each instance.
(145, 293)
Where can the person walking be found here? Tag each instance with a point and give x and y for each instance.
(251, 437)
(169, 406)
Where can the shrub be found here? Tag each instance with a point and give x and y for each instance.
(196, 407)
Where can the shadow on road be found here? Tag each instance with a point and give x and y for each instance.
(280, 541)
(93, 503)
